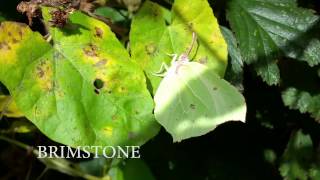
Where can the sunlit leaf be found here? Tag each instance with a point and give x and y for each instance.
(155, 33)
(83, 90)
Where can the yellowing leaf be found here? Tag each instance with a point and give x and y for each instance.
(77, 86)
(9, 107)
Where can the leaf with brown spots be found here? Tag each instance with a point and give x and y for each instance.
(156, 32)
(83, 89)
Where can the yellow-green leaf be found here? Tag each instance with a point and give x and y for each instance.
(156, 32)
(83, 89)
(9, 108)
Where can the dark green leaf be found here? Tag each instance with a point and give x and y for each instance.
(298, 160)
(234, 73)
(302, 101)
(267, 29)
(114, 15)
(131, 169)
(136, 169)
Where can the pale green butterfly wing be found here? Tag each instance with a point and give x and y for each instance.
(192, 101)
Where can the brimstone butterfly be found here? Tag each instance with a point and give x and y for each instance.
(192, 100)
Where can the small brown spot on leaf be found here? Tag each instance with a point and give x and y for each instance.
(99, 32)
(131, 135)
(91, 50)
(40, 72)
(9, 33)
(60, 94)
(203, 60)
(214, 88)
(14, 41)
(151, 49)
(1, 45)
(44, 75)
(20, 34)
(42, 68)
(192, 106)
(101, 63)
(4, 46)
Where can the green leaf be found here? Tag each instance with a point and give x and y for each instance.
(56, 86)
(95, 166)
(302, 101)
(155, 33)
(234, 73)
(298, 160)
(192, 101)
(9, 107)
(267, 29)
(131, 169)
(116, 173)
(114, 15)
(136, 169)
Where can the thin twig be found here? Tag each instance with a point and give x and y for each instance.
(17, 143)
(42, 173)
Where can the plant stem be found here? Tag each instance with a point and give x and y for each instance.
(17, 143)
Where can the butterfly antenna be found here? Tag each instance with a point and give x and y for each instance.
(194, 38)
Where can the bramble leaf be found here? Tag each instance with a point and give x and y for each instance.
(267, 29)
(298, 162)
(302, 101)
(234, 73)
